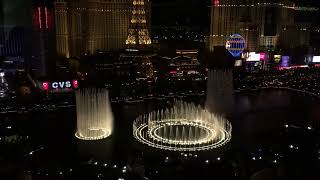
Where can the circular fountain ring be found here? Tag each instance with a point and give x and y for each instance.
(184, 132)
(156, 132)
(93, 134)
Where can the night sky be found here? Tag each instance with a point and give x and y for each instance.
(182, 12)
(16, 12)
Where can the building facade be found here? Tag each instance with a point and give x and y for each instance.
(265, 24)
(85, 26)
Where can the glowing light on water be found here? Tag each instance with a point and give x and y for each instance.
(94, 114)
(185, 127)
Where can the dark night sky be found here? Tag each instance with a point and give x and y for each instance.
(183, 12)
(16, 12)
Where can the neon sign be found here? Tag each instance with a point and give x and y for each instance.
(235, 45)
(262, 56)
(75, 83)
(41, 24)
(39, 17)
(46, 13)
(285, 61)
(216, 2)
(45, 85)
(60, 85)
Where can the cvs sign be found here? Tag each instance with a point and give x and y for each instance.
(60, 85)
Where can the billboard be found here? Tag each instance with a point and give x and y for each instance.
(262, 56)
(316, 59)
(277, 58)
(252, 56)
(285, 61)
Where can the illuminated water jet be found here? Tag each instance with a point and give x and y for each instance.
(220, 97)
(185, 127)
(94, 114)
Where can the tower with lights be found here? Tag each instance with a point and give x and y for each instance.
(138, 33)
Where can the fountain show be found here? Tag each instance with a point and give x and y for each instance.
(159, 89)
(184, 127)
(94, 114)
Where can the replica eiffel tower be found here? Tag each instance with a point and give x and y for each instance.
(138, 33)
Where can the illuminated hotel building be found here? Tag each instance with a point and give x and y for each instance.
(85, 26)
(264, 24)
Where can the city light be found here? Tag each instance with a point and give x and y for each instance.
(39, 17)
(262, 56)
(216, 2)
(46, 14)
(45, 86)
(75, 84)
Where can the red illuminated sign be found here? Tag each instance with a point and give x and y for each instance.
(75, 83)
(215, 2)
(39, 17)
(45, 86)
(60, 85)
(262, 56)
(46, 13)
(41, 23)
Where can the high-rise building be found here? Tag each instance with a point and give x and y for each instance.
(85, 26)
(15, 34)
(299, 33)
(12, 41)
(26, 35)
(1, 26)
(139, 25)
(42, 61)
(264, 24)
(13, 28)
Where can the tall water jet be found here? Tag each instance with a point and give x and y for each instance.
(220, 97)
(94, 114)
(184, 127)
